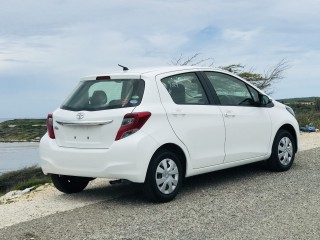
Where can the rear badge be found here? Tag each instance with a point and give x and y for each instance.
(80, 115)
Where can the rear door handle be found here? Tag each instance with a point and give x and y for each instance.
(229, 115)
(179, 114)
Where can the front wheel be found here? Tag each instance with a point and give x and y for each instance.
(69, 184)
(283, 152)
(164, 177)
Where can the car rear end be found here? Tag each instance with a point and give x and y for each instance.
(89, 135)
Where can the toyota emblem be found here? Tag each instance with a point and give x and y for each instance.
(80, 115)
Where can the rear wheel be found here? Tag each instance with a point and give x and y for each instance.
(69, 184)
(164, 177)
(283, 152)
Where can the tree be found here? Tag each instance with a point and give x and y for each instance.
(192, 61)
(317, 104)
(263, 81)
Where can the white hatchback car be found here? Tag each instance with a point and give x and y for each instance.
(158, 126)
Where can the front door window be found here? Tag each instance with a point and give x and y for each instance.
(231, 91)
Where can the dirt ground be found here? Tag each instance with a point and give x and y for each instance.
(309, 140)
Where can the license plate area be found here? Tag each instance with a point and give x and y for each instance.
(84, 137)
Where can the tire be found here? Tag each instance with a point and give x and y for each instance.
(164, 177)
(69, 184)
(283, 152)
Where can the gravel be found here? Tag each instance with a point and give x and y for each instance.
(245, 202)
(309, 140)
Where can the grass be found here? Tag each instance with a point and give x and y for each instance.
(21, 179)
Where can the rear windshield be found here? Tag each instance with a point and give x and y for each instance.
(105, 94)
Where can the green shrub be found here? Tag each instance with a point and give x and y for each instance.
(308, 118)
(21, 179)
(32, 183)
(306, 114)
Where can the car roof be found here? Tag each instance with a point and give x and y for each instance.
(154, 71)
(137, 72)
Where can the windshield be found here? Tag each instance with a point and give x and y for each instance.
(105, 94)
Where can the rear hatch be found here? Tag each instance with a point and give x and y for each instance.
(92, 115)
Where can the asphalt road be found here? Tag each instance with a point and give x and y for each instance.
(247, 202)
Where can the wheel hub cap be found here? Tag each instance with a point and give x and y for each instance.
(167, 176)
(285, 151)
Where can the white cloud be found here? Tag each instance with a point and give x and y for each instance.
(50, 44)
(167, 41)
(240, 36)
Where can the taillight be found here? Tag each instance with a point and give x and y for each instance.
(50, 126)
(131, 123)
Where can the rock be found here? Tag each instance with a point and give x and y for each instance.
(8, 197)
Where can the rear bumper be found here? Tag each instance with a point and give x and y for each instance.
(127, 158)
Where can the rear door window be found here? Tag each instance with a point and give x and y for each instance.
(185, 89)
(105, 94)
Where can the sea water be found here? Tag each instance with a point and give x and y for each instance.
(18, 155)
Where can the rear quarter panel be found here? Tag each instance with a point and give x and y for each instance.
(158, 126)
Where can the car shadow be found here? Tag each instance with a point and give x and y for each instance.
(131, 193)
(236, 177)
(103, 191)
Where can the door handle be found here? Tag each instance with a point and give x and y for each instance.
(179, 113)
(229, 115)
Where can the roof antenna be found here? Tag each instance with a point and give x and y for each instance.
(124, 68)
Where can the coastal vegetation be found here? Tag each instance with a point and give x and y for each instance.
(22, 130)
(307, 110)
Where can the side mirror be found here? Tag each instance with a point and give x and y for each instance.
(265, 100)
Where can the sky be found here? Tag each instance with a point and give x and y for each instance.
(46, 46)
